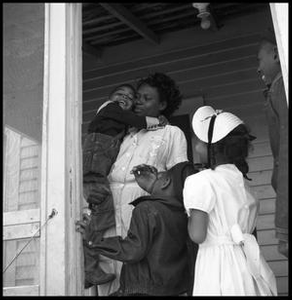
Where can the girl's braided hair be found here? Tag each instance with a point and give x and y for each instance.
(167, 89)
(235, 147)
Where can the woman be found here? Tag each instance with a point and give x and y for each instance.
(157, 95)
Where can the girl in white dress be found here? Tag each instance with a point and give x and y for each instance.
(223, 212)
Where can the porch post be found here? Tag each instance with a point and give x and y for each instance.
(61, 262)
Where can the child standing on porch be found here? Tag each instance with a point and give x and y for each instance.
(100, 149)
(155, 253)
(223, 213)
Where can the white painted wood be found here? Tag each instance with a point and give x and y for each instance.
(44, 157)
(12, 169)
(61, 260)
(53, 237)
(74, 281)
(20, 231)
(21, 291)
(280, 16)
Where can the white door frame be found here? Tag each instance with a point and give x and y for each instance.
(61, 247)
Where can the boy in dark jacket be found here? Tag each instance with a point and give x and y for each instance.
(155, 255)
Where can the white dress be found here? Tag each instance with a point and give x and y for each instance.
(224, 266)
(161, 148)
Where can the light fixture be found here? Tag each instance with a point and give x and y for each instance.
(203, 14)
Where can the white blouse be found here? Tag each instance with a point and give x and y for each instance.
(161, 148)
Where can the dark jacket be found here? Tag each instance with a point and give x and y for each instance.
(155, 251)
(113, 120)
(277, 115)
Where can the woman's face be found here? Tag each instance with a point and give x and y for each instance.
(147, 102)
(202, 149)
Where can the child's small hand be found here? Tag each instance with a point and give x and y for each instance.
(145, 175)
(82, 225)
(162, 120)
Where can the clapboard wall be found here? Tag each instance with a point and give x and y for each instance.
(216, 68)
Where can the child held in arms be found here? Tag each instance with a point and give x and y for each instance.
(100, 149)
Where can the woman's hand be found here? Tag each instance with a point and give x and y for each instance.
(146, 176)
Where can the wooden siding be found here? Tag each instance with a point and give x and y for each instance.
(219, 68)
(21, 210)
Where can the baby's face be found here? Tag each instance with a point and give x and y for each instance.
(125, 96)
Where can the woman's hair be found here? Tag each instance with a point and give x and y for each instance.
(120, 86)
(167, 89)
(235, 148)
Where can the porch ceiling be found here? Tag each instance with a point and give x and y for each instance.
(109, 24)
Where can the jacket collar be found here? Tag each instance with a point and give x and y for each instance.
(278, 76)
(268, 89)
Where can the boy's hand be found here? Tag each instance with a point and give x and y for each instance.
(145, 175)
(82, 226)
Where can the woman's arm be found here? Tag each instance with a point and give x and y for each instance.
(115, 112)
(197, 225)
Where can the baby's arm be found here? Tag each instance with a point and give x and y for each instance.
(115, 112)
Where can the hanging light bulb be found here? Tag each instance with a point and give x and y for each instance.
(205, 23)
(203, 14)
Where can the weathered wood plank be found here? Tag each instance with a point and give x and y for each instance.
(267, 237)
(29, 174)
(265, 222)
(31, 162)
(264, 191)
(280, 268)
(11, 169)
(282, 285)
(260, 163)
(271, 253)
(31, 185)
(21, 291)
(14, 232)
(21, 217)
(195, 68)
(260, 177)
(245, 42)
(267, 206)
(238, 99)
(260, 149)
